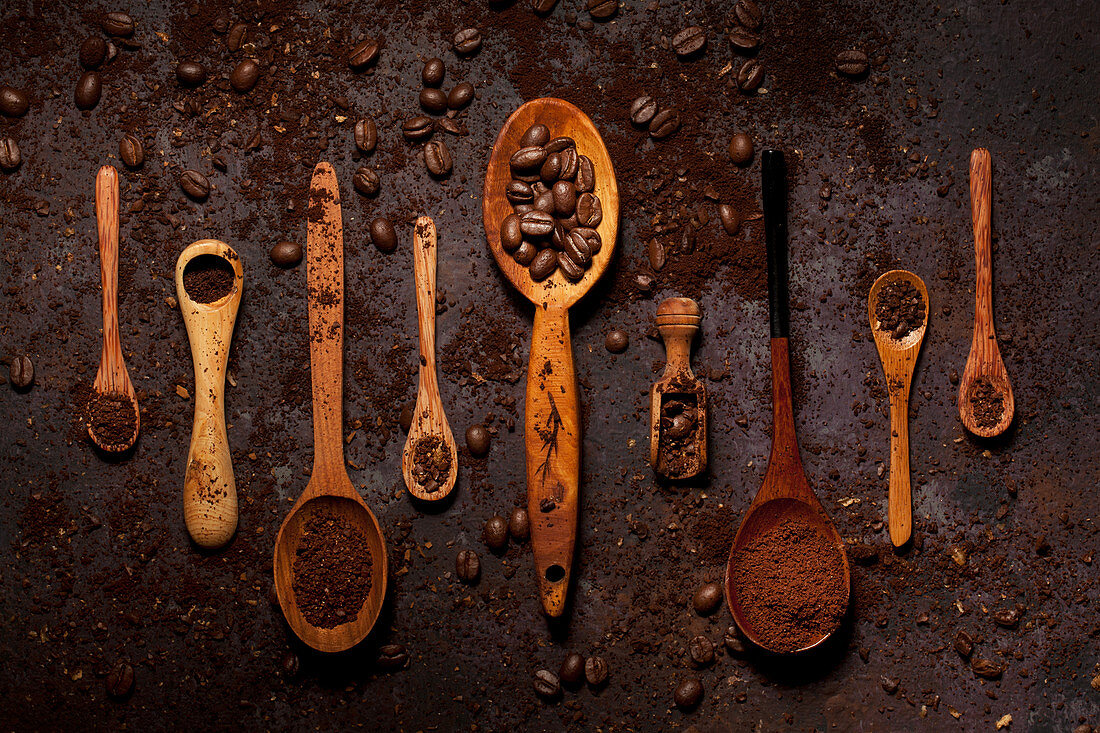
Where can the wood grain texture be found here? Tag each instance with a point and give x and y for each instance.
(209, 488)
(985, 355)
(329, 488)
(899, 359)
(112, 376)
(678, 321)
(429, 418)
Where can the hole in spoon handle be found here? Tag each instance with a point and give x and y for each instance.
(774, 188)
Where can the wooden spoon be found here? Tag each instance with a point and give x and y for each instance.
(985, 356)
(209, 490)
(429, 419)
(899, 358)
(786, 493)
(329, 489)
(112, 378)
(553, 428)
(678, 321)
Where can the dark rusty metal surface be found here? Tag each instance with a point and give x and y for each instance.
(97, 567)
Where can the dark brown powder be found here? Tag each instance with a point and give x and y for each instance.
(431, 463)
(208, 278)
(111, 418)
(986, 402)
(332, 570)
(900, 308)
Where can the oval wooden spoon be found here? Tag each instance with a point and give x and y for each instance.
(329, 489)
(786, 494)
(553, 429)
(429, 418)
(209, 490)
(112, 377)
(899, 358)
(985, 356)
(678, 321)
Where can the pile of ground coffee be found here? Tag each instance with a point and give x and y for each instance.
(208, 278)
(332, 570)
(789, 580)
(900, 308)
(986, 402)
(111, 418)
(431, 463)
(678, 439)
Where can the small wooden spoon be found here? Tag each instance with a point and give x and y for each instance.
(553, 426)
(899, 358)
(329, 489)
(985, 356)
(786, 493)
(209, 490)
(429, 418)
(678, 321)
(112, 377)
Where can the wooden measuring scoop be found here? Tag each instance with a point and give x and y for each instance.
(899, 358)
(553, 426)
(678, 401)
(209, 490)
(429, 424)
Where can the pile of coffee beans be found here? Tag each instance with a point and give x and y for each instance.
(575, 670)
(555, 209)
(660, 122)
(431, 463)
(677, 437)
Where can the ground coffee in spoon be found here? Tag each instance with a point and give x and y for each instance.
(986, 402)
(332, 570)
(431, 463)
(208, 278)
(900, 308)
(111, 418)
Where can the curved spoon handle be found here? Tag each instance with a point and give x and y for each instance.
(900, 506)
(112, 376)
(424, 271)
(981, 194)
(553, 442)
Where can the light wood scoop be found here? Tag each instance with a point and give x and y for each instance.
(985, 356)
(112, 377)
(899, 358)
(429, 418)
(678, 321)
(329, 489)
(209, 490)
(553, 427)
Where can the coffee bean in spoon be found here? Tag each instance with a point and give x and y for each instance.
(366, 135)
(190, 73)
(536, 224)
(589, 210)
(585, 179)
(528, 158)
(433, 100)
(535, 136)
(383, 234)
(89, 88)
(13, 102)
(195, 184)
(93, 52)
(460, 96)
(495, 533)
(10, 157)
(557, 144)
(433, 72)
(478, 440)
(572, 271)
(543, 265)
(565, 198)
(689, 41)
(286, 254)
(525, 254)
(244, 76)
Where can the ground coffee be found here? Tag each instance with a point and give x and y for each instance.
(111, 418)
(431, 463)
(208, 278)
(900, 308)
(678, 439)
(332, 570)
(986, 402)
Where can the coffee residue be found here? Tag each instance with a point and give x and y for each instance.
(431, 463)
(332, 570)
(986, 402)
(900, 308)
(208, 278)
(111, 418)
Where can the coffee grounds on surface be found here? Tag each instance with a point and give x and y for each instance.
(789, 580)
(986, 402)
(677, 438)
(332, 570)
(900, 308)
(111, 418)
(431, 463)
(208, 278)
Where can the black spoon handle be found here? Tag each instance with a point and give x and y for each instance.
(774, 187)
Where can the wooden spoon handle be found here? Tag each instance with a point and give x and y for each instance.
(981, 206)
(678, 322)
(900, 500)
(112, 368)
(553, 442)
(424, 272)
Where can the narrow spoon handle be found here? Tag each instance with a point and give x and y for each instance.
(981, 193)
(112, 377)
(424, 271)
(900, 500)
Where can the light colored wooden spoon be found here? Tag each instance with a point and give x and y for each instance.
(552, 414)
(329, 489)
(209, 490)
(678, 321)
(985, 356)
(429, 418)
(112, 377)
(899, 358)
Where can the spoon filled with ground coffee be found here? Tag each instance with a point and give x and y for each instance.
(787, 579)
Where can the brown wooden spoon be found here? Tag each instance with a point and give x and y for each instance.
(329, 489)
(112, 379)
(985, 356)
(678, 322)
(553, 425)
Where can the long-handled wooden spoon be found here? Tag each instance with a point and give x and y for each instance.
(329, 489)
(112, 380)
(429, 420)
(786, 495)
(678, 322)
(209, 490)
(899, 358)
(985, 356)
(553, 428)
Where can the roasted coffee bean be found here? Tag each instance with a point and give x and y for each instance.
(190, 73)
(664, 123)
(529, 158)
(1009, 618)
(405, 419)
(852, 63)
(366, 135)
(743, 41)
(13, 102)
(731, 220)
(364, 54)
(417, 129)
(10, 157)
(286, 254)
(751, 76)
(545, 202)
(433, 100)
(537, 224)
(236, 36)
(571, 672)
(592, 237)
(707, 599)
(119, 25)
(120, 680)
(701, 650)
(987, 668)
(577, 249)
(586, 175)
(194, 184)
(748, 14)
(93, 52)
(131, 151)
(551, 169)
(525, 254)
(383, 234)
(452, 126)
(643, 282)
(478, 439)
(495, 533)
(438, 159)
(543, 7)
(558, 144)
(535, 136)
(539, 188)
(733, 642)
(88, 90)
(655, 251)
(964, 644)
(543, 265)
(467, 566)
(741, 148)
(290, 665)
(467, 41)
(689, 41)
(392, 657)
(589, 210)
(602, 9)
(616, 341)
(688, 693)
(461, 96)
(642, 110)
(244, 76)
(366, 181)
(433, 72)
(596, 671)
(519, 524)
(519, 192)
(21, 372)
(569, 163)
(547, 685)
(565, 198)
(557, 237)
(569, 268)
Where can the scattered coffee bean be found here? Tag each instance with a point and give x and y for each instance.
(701, 651)
(731, 220)
(616, 341)
(461, 96)
(751, 76)
(190, 73)
(366, 135)
(741, 148)
(417, 129)
(433, 72)
(194, 184)
(656, 253)
(596, 671)
(383, 234)
(1009, 618)
(290, 665)
(535, 136)
(478, 440)
(392, 657)
(664, 123)
(236, 36)
(707, 599)
(543, 265)
(543, 7)
(889, 685)
(120, 680)
(286, 254)
(964, 644)
(366, 181)
(13, 102)
(131, 151)
(689, 41)
(89, 88)
(743, 41)
(21, 372)
(519, 524)
(852, 63)
(408, 412)
(244, 76)
(364, 54)
(987, 668)
(93, 52)
(438, 158)
(733, 642)
(642, 110)
(433, 100)
(495, 533)
(572, 670)
(688, 693)
(602, 9)
(10, 157)
(119, 25)
(748, 14)
(468, 566)
(467, 41)
(452, 126)
(547, 685)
